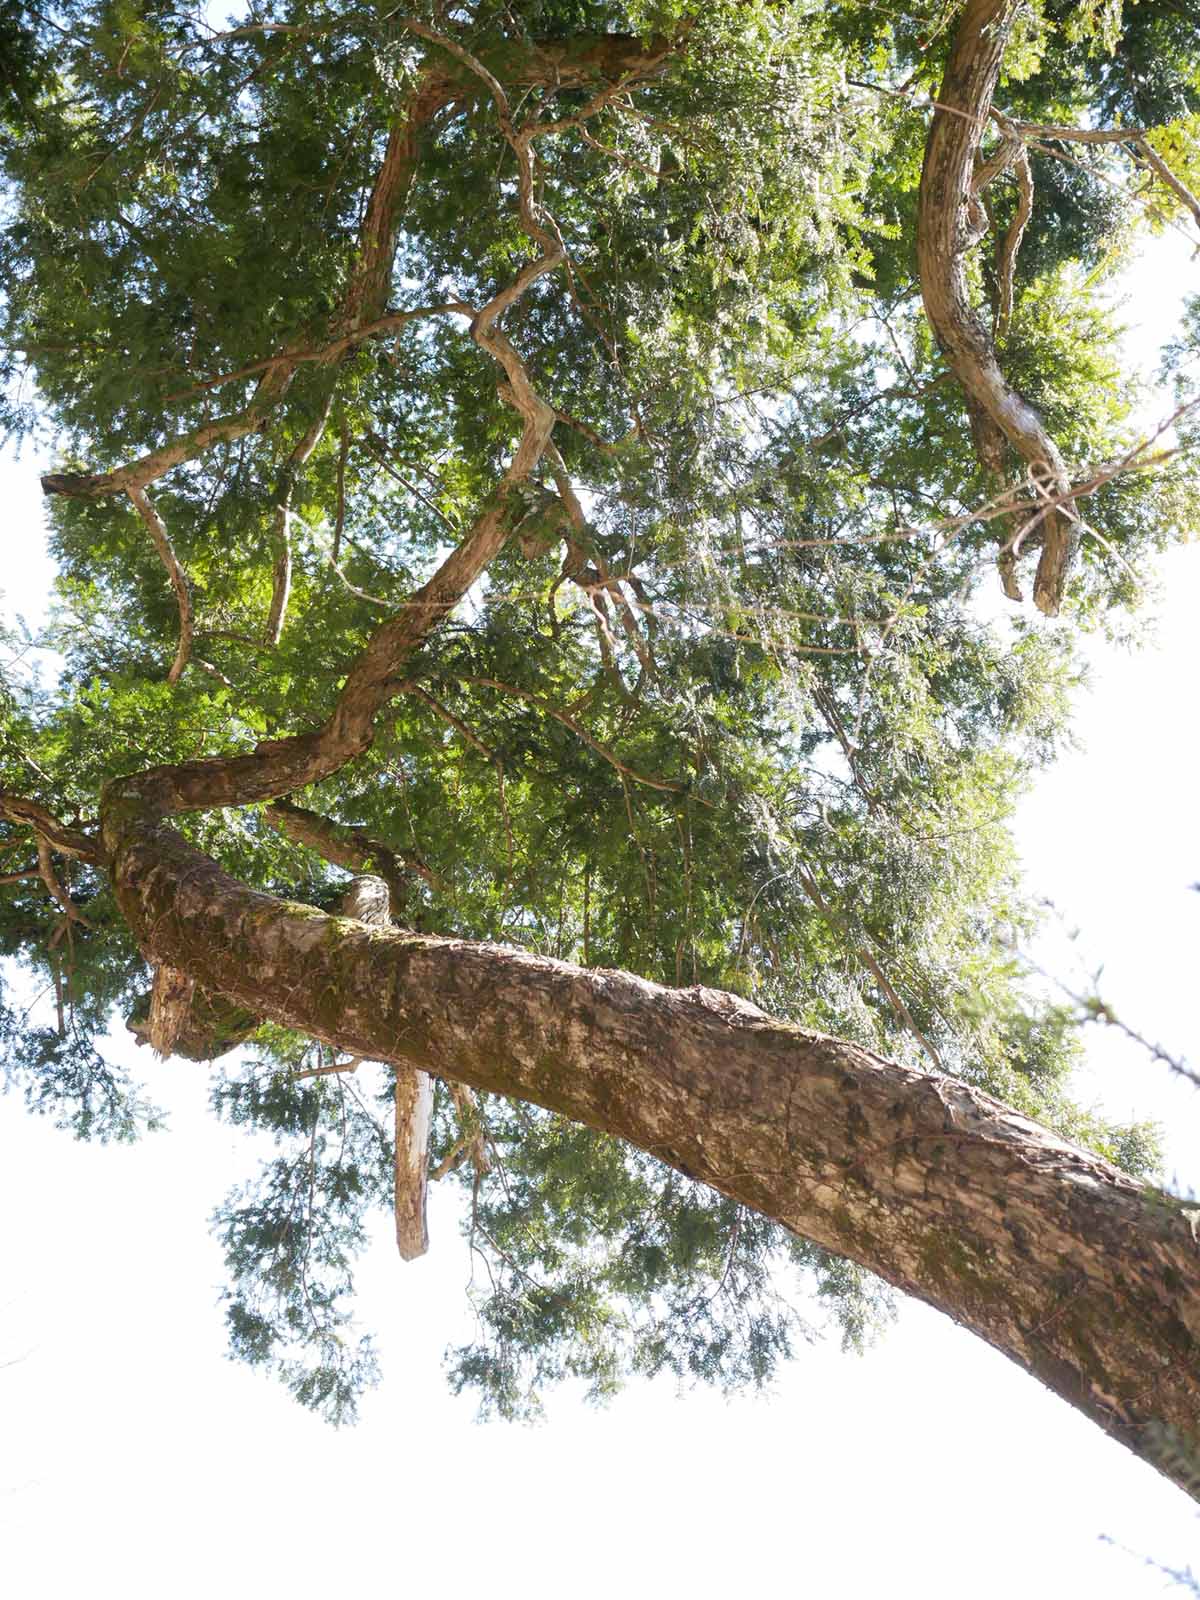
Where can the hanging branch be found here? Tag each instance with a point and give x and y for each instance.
(281, 586)
(175, 572)
(949, 221)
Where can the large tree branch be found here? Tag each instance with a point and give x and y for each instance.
(1088, 1279)
(947, 225)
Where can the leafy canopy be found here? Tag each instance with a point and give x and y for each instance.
(734, 708)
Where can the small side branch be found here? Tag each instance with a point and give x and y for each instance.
(351, 848)
(49, 878)
(281, 586)
(1011, 243)
(576, 727)
(67, 841)
(176, 574)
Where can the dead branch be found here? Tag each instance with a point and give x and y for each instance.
(281, 586)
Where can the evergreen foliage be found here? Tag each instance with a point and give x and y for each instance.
(743, 716)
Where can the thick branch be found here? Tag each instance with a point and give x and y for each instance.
(1086, 1278)
(947, 225)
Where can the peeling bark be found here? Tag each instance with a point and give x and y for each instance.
(1086, 1278)
(948, 224)
(209, 1025)
(170, 1008)
(414, 1121)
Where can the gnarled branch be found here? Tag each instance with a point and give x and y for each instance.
(947, 225)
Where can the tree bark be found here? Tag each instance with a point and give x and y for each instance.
(1086, 1278)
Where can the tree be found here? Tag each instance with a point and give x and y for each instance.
(533, 437)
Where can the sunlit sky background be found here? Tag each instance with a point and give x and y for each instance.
(135, 1459)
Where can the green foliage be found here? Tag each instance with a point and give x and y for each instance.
(747, 729)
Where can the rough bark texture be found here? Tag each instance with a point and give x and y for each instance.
(949, 222)
(1088, 1279)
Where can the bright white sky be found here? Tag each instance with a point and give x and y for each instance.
(136, 1459)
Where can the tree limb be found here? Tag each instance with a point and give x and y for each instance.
(50, 879)
(351, 848)
(946, 227)
(67, 841)
(1085, 1277)
(281, 586)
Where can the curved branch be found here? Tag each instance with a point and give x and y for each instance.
(278, 767)
(947, 225)
(49, 878)
(67, 841)
(351, 848)
(184, 447)
(555, 65)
